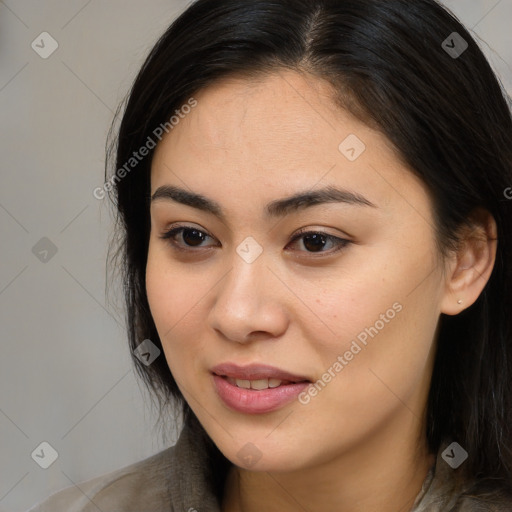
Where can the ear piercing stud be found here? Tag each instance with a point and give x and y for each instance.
(459, 301)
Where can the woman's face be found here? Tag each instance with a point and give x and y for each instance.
(353, 308)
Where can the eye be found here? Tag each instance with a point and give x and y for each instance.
(185, 238)
(317, 241)
(190, 237)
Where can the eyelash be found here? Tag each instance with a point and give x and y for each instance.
(170, 235)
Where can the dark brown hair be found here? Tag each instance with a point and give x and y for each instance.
(449, 119)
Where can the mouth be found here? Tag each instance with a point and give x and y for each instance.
(259, 384)
(256, 376)
(256, 388)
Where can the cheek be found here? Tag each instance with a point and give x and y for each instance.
(364, 299)
(171, 304)
(381, 322)
(174, 300)
(161, 286)
(173, 289)
(374, 370)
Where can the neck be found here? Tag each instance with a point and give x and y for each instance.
(382, 474)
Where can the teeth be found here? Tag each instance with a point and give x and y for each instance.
(273, 383)
(246, 384)
(257, 384)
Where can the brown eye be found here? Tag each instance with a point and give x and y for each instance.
(193, 237)
(190, 237)
(186, 238)
(316, 242)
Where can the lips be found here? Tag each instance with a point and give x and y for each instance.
(253, 401)
(256, 372)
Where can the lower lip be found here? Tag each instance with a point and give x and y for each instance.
(252, 401)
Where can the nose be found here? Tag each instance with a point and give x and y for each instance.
(249, 303)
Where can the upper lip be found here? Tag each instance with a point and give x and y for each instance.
(255, 372)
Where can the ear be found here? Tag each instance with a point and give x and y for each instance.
(470, 266)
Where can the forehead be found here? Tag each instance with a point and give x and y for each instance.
(283, 107)
(269, 137)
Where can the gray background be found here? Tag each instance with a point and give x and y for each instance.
(65, 374)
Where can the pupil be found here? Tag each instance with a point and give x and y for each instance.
(318, 242)
(189, 240)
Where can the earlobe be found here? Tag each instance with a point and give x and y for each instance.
(472, 264)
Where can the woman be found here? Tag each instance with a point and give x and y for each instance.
(314, 231)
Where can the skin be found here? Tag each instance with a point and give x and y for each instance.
(360, 443)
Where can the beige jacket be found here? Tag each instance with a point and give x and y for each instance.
(174, 480)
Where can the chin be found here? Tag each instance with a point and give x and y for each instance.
(255, 453)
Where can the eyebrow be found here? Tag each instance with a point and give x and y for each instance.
(277, 208)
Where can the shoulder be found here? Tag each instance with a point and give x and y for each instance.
(172, 479)
(140, 486)
(486, 499)
(448, 489)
